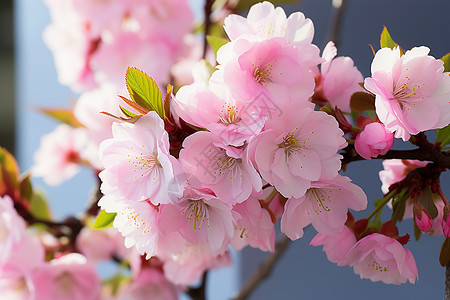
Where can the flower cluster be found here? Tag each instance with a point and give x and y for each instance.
(259, 137)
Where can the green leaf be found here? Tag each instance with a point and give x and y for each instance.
(216, 42)
(104, 220)
(9, 172)
(417, 232)
(446, 60)
(386, 40)
(39, 207)
(426, 199)
(127, 113)
(361, 101)
(63, 115)
(26, 190)
(443, 136)
(444, 257)
(245, 4)
(398, 211)
(144, 91)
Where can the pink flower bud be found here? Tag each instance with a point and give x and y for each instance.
(423, 220)
(373, 140)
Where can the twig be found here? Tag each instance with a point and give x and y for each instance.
(264, 269)
(208, 10)
(199, 293)
(447, 282)
(336, 23)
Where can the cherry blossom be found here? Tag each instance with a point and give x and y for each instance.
(138, 164)
(225, 170)
(324, 205)
(380, 258)
(338, 78)
(12, 228)
(273, 67)
(254, 227)
(60, 154)
(374, 140)
(336, 245)
(201, 218)
(69, 277)
(412, 91)
(298, 147)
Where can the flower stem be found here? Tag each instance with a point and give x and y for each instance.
(384, 200)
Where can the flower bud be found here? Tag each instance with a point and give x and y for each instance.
(422, 218)
(373, 140)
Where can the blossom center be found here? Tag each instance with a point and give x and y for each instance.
(143, 163)
(226, 164)
(197, 211)
(321, 199)
(230, 115)
(263, 74)
(373, 264)
(405, 91)
(290, 144)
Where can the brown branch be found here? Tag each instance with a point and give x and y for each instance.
(447, 282)
(426, 151)
(199, 293)
(264, 269)
(208, 11)
(336, 23)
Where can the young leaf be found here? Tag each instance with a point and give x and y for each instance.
(216, 42)
(398, 211)
(443, 136)
(386, 40)
(104, 220)
(39, 207)
(9, 172)
(63, 115)
(417, 232)
(426, 199)
(169, 91)
(446, 60)
(361, 101)
(444, 257)
(26, 190)
(144, 91)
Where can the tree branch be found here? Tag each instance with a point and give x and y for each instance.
(208, 10)
(336, 23)
(264, 270)
(447, 282)
(199, 293)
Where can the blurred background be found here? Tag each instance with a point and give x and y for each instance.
(304, 273)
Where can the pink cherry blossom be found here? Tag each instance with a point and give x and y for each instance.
(338, 78)
(254, 227)
(98, 245)
(187, 265)
(324, 205)
(71, 42)
(298, 147)
(201, 218)
(214, 108)
(138, 222)
(380, 258)
(69, 277)
(225, 170)
(412, 91)
(60, 154)
(374, 140)
(137, 162)
(273, 67)
(128, 49)
(265, 21)
(12, 228)
(149, 284)
(336, 245)
(16, 284)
